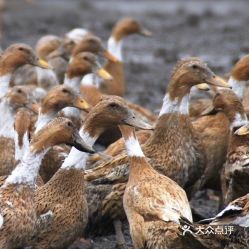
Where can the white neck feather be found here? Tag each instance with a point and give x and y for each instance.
(77, 34)
(4, 84)
(46, 75)
(27, 170)
(7, 120)
(171, 106)
(237, 86)
(239, 121)
(73, 82)
(90, 80)
(71, 112)
(20, 150)
(77, 159)
(133, 147)
(115, 47)
(42, 120)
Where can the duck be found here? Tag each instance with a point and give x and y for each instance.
(28, 75)
(237, 79)
(235, 172)
(57, 98)
(64, 193)
(17, 206)
(123, 28)
(46, 45)
(81, 64)
(59, 58)
(153, 213)
(10, 104)
(173, 129)
(15, 56)
(214, 128)
(117, 147)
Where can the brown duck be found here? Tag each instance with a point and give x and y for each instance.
(17, 206)
(173, 149)
(64, 194)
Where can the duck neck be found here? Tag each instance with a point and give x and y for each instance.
(73, 82)
(238, 87)
(132, 145)
(77, 159)
(27, 170)
(175, 105)
(138, 164)
(4, 83)
(115, 46)
(44, 75)
(7, 119)
(90, 80)
(21, 145)
(43, 119)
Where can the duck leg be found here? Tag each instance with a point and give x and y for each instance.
(119, 234)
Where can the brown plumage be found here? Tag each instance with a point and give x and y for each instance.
(56, 99)
(64, 193)
(214, 130)
(235, 170)
(123, 28)
(15, 99)
(153, 213)
(17, 207)
(173, 149)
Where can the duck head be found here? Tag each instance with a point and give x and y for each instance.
(60, 97)
(18, 55)
(228, 102)
(58, 131)
(110, 112)
(93, 44)
(46, 45)
(190, 72)
(186, 74)
(128, 26)
(18, 97)
(239, 76)
(85, 63)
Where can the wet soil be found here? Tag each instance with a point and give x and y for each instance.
(216, 31)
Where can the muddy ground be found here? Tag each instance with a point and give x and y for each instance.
(216, 31)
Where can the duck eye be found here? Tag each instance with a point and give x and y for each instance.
(194, 66)
(69, 124)
(65, 90)
(113, 105)
(19, 90)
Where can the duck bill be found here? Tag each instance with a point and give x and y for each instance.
(242, 131)
(42, 64)
(215, 80)
(80, 144)
(145, 32)
(102, 73)
(203, 87)
(138, 123)
(109, 56)
(81, 104)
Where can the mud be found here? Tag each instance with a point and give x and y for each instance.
(216, 31)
